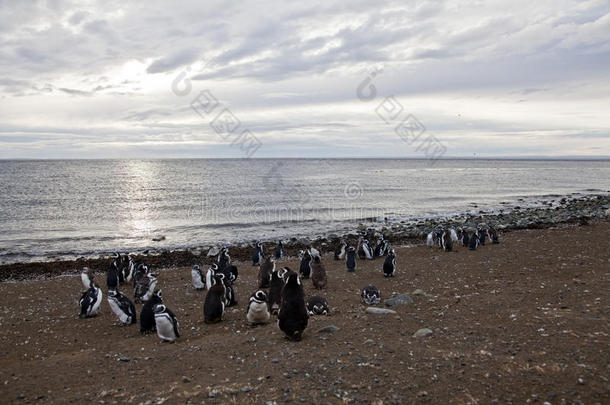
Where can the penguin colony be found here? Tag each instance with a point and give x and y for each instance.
(279, 290)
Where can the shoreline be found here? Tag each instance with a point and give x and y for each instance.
(555, 210)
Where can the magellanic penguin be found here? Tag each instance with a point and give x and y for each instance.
(465, 239)
(364, 250)
(275, 289)
(454, 235)
(117, 264)
(371, 295)
(481, 234)
(258, 309)
(389, 264)
(318, 273)
(317, 305)
(139, 270)
(380, 247)
(147, 315)
(264, 272)
(90, 301)
(145, 287)
(293, 317)
(122, 307)
(257, 256)
(305, 266)
(197, 278)
(493, 235)
(112, 277)
(473, 241)
(447, 241)
(87, 277)
(279, 251)
(431, 239)
(313, 251)
(209, 275)
(350, 259)
(214, 305)
(223, 259)
(340, 251)
(166, 323)
(230, 295)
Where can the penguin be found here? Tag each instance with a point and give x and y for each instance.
(258, 309)
(117, 263)
(209, 275)
(317, 305)
(454, 235)
(223, 260)
(214, 304)
(493, 236)
(166, 323)
(380, 248)
(481, 235)
(430, 239)
(139, 271)
(90, 301)
(318, 273)
(447, 241)
(473, 241)
(465, 238)
(87, 277)
(371, 295)
(389, 265)
(292, 316)
(230, 296)
(147, 315)
(128, 269)
(264, 273)
(313, 251)
(305, 267)
(145, 288)
(275, 290)
(197, 278)
(231, 272)
(364, 250)
(257, 256)
(350, 259)
(112, 276)
(340, 250)
(122, 307)
(279, 250)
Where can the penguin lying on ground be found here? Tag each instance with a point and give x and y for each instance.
(317, 305)
(371, 295)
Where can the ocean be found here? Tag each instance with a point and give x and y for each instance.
(63, 209)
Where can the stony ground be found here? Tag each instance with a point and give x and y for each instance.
(525, 321)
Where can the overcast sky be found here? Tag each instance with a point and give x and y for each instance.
(491, 78)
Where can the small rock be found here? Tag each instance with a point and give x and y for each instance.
(245, 388)
(369, 342)
(328, 329)
(213, 393)
(423, 332)
(373, 310)
(401, 299)
(185, 379)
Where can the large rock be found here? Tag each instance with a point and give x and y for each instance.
(373, 310)
(401, 299)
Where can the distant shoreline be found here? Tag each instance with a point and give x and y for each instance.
(576, 210)
(596, 158)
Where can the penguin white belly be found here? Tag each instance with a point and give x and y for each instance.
(151, 290)
(165, 327)
(85, 279)
(114, 305)
(258, 313)
(197, 282)
(430, 240)
(96, 305)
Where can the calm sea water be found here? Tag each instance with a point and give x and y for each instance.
(51, 209)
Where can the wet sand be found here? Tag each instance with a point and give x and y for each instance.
(525, 321)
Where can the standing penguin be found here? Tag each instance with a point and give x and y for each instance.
(364, 250)
(318, 273)
(258, 309)
(209, 275)
(350, 259)
(230, 296)
(293, 317)
(139, 270)
(90, 301)
(112, 277)
(317, 305)
(223, 259)
(305, 267)
(340, 251)
(275, 289)
(447, 241)
(87, 277)
(122, 307)
(231, 272)
(166, 323)
(117, 264)
(371, 295)
(454, 235)
(431, 239)
(493, 236)
(465, 238)
(257, 256)
(214, 305)
(197, 278)
(145, 287)
(147, 315)
(264, 272)
(279, 251)
(380, 247)
(473, 241)
(481, 233)
(389, 265)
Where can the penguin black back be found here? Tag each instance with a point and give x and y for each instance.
(293, 317)
(275, 290)
(264, 273)
(214, 305)
(350, 259)
(147, 315)
(305, 266)
(389, 264)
